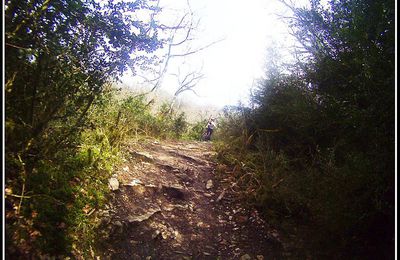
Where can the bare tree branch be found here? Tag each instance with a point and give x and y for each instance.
(189, 81)
(196, 50)
(186, 26)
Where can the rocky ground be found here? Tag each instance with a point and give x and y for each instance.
(168, 204)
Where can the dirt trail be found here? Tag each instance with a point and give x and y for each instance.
(169, 206)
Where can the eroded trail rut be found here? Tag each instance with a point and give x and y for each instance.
(169, 205)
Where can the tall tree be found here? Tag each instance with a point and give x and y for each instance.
(59, 57)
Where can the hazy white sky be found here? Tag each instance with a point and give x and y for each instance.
(231, 65)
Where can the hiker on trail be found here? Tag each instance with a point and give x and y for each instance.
(210, 128)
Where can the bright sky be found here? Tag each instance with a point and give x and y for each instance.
(232, 65)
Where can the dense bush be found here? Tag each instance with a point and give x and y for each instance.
(316, 148)
(63, 190)
(60, 128)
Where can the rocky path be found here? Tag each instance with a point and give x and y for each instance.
(169, 205)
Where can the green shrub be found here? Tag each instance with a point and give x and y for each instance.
(195, 130)
(318, 138)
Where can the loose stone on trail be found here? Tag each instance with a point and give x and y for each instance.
(113, 183)
(209, 184)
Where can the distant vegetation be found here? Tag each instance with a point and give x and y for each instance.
(315, 148)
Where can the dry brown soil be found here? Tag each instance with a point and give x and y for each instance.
(170, 205)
